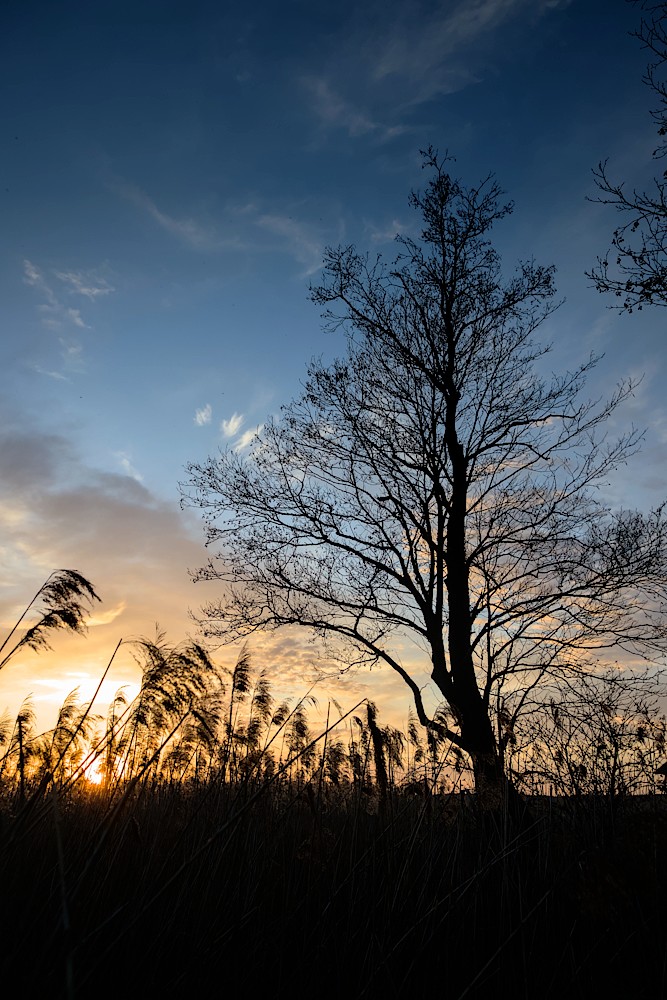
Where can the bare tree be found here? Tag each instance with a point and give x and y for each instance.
(433, 487)
(635, 267)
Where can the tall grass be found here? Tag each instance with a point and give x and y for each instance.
(177, 887)
(226, 840)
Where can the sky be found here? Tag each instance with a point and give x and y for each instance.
(170, 174)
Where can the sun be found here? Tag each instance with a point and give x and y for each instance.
(94, 773)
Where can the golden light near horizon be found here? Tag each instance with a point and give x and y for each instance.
(94, 773)
(77, 663)
(48, 678)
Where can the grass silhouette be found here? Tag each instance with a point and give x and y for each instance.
(224, 839)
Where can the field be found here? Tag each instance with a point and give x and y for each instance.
(288, 889)
(200, 839)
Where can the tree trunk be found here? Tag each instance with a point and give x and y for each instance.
(492, 786)
(459, 688)
(478, 737)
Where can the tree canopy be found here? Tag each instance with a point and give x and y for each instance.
(434, 486)
(634, 270)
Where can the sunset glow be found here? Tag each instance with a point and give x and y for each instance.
(166, 203)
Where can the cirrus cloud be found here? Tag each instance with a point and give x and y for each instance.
(203, 416)
(232, 426)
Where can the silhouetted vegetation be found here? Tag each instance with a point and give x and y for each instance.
(316, 864)
(202, 833)
(432, 498)
(60, 603)
(634, 270)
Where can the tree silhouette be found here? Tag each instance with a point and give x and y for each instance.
(434, 487)
(635, 268)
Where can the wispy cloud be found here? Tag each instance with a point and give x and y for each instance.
(203, 416)
(72, 355)
(106, 617)
(125, 462)
(388, 232)
(187, 230)
(439, 52)
(302, 243)
(404, 56)
(232, 426)
(56, 375)
(74, 315)
(90, 284)
(33, 277)
(54, 312)
(285, 228)
(55, 315)
(334, 111)
(247, 438)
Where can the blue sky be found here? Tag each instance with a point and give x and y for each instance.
(170, 174)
